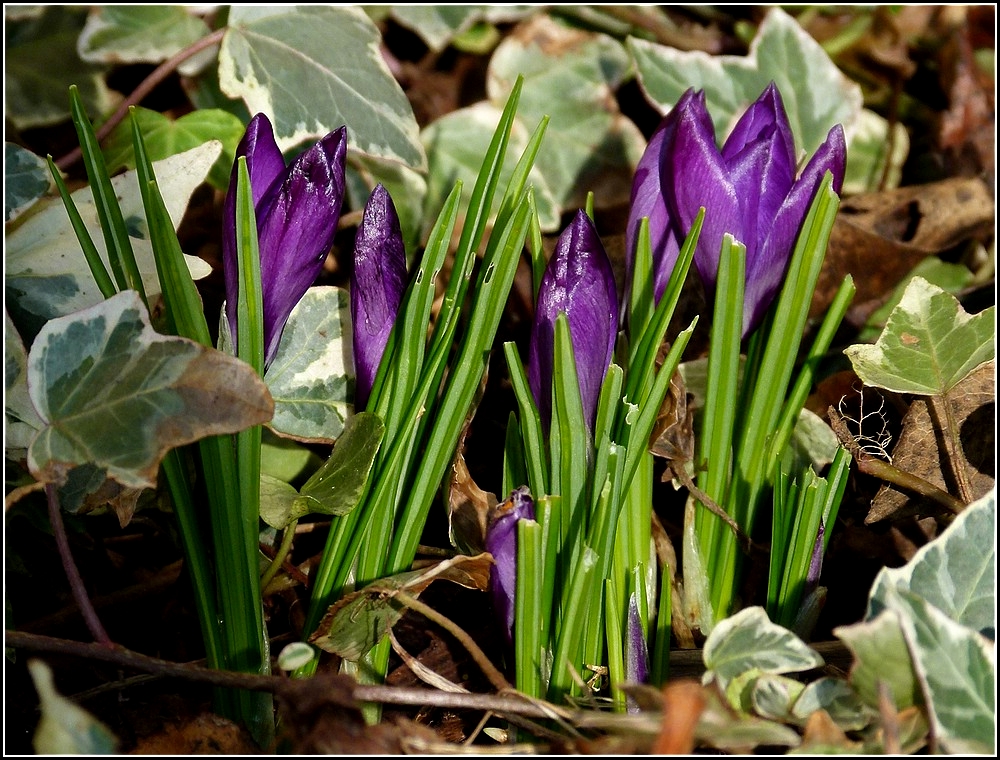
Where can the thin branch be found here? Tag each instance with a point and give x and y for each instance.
(72, 571)
(145, 87)
(952, 444)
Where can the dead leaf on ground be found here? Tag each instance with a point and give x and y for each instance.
(683, 702)
(879, 237)
(821, 733)
(205, 734)
(469, 506)
(920, 448)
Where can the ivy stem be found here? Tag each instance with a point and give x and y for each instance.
(952, 445)
(145, 87)
(287, 538)
(72, 572)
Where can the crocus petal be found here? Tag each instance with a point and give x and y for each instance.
(296, 224)
(636, 649)
(501, 542)
(377, 284)
(265, 165)
(763, 115)
(579, 282)
(694, 174)
(766, 271)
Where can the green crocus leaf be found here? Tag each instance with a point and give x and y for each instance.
(40, 64)
(955, 572)
(26, 179)
(815, 92)
(47, 274)
(590, 144)
(138, 33)
(929, 344)
(750, 640)
(312, 69)
(166, 137)
(312, 375)
(114, 393)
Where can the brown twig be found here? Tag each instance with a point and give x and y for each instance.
(883, 470)
(145, 87)
(952, 444)
(72, 571)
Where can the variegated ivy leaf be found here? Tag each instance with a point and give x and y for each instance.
(26, 179)
(116, 394)
(47, 274)
(312, 69)
(138, 33)
(311, 378)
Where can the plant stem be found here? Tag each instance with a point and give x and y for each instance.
(145, 87)
(952, 444)
(287, 538)
(72, 572)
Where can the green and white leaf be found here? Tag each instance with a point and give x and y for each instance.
(571, 76)
(65, 728)
(957, 670)
(26, 179)
(117, 34)
(311, 377)
(21, 421)
(165, 137)
(456, 144)
(750, 640)
(438, 25)
(312, 69)
(407, 187)
(47, 274)
(881, 655)
(929, 344)
(773, 696)
(40, 64)
(956, 572)
(116, 394)
(869, 158)
(815, 92)
(838, 699)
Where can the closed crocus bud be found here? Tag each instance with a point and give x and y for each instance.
(636, 649)
(579, 282)
(748, 189)
(501, 542)
(377, 284)
(297, 209)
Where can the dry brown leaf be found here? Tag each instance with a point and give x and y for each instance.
(920, 448)
(821, 731)
(879, 237)
(205, 734)
(683, 703)
(469, 507)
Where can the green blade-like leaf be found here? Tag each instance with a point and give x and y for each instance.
(116, 394)
(929, 344)
(312, 69)
(749, 640)
(312, 375)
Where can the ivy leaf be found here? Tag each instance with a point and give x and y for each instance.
(114, 393)
(312, 69)
(21, 421)
(26, 179)
(749, 640)
(47, 274)
(165, 137)
(65, 728)
(311, 377)
(359, 620)
(138, 33)
(929, 344)
(438, 25)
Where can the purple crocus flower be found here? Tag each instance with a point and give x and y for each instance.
(579, 282)
(636, 649)
(377, 284)
(501, 542)
(748, 188)
(297, 209)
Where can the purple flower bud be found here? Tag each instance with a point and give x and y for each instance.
(636, 650)
(748, 189)
(377, 285)
(579, 282)
(297, 209)
(501, 542)
(815, 563)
